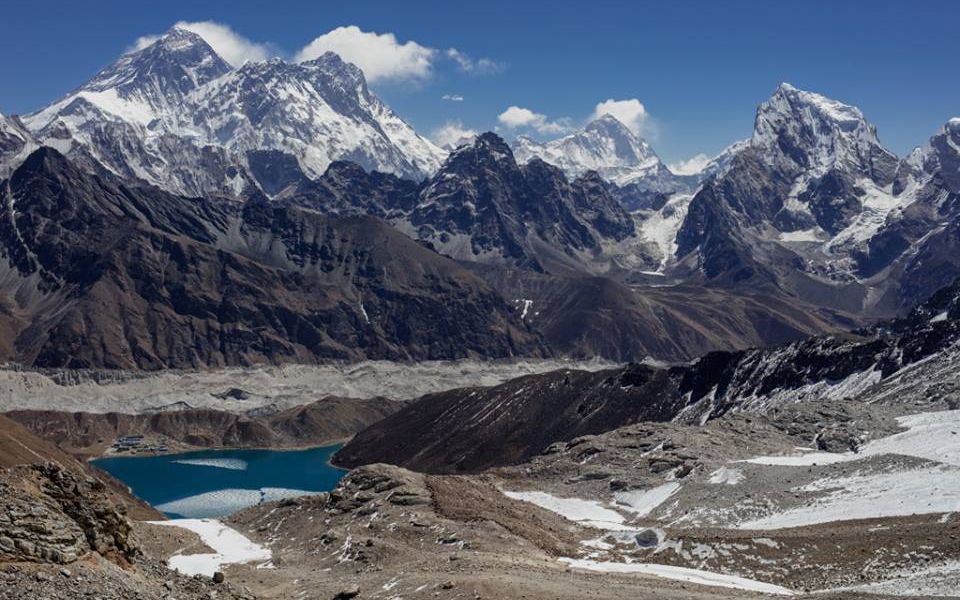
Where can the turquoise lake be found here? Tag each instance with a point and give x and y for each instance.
(215, 483)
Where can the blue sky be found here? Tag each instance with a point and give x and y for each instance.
(698, 68)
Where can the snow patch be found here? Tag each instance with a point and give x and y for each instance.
(726, 475)
(867, 496)
(586, 512)
(229, 547)
(681, 574)
(804, 235)
(931, 435)
(643, 502)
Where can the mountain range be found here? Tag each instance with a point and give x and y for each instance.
(176, 115)
(280, 211)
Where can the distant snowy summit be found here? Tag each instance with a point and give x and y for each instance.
(176, 115)
(621, 157)
(605, 145)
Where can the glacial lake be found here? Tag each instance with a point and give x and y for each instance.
(215, 483)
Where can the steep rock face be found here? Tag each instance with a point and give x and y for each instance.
(796, 203)
(69, 517)
(176, 115)
(192, 282)
(915, 250)
(586, 316)
(807, 130)
(15, 144)
(481, 206)
(477, 428)
(348, 189)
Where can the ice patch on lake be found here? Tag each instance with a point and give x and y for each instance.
(229, 547)
(681, 574)
(233, 464)
(224, 502)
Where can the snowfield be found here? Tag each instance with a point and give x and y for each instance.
(229, 547)
(586, 512)
(681, 574)
(886, 492)
(867, 496)
(641, 502)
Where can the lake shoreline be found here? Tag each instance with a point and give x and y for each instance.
(179, 451)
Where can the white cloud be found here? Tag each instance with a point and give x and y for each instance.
(142, 42)
(480, 66)
(690, 166)
(379, 55)
(451, 134)
(452, 97)
(631, 113)
(516, 117)
(230, 45)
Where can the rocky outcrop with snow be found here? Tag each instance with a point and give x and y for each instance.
(482, 206)
(819, 134)
(316, 111)
(800, 205)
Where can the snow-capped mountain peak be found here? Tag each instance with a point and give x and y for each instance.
(940, 156)
(175, 114)
(141, 86)
(605, 145)
(317, 111)
(177, 62)
(817, 133)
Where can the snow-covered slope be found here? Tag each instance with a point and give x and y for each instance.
(16, 144)
(176, 115)
(126, 119)
(318, 111)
